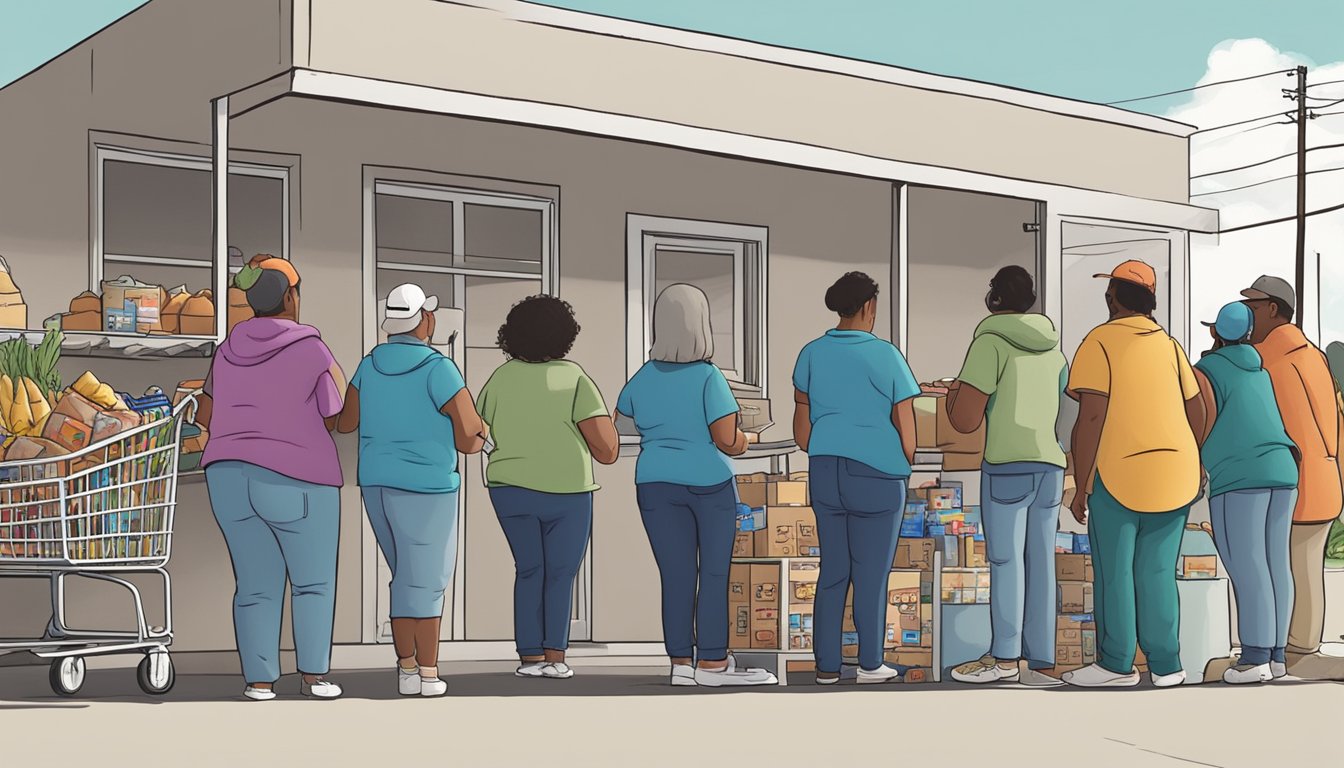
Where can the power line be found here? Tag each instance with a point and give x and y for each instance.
(1331, 209)
(1242, 122)
(1328, 114)
(1198, 87)
(1267, 181)
(1263, 162)
(1328, 82)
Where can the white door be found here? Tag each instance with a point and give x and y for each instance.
(479, 252)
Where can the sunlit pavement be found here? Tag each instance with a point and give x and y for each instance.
(630, 717)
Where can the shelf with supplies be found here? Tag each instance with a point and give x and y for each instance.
(121, 345)
(939, 574)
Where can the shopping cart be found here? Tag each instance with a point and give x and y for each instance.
(102, 513)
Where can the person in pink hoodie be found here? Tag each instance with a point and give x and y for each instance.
(274, 478)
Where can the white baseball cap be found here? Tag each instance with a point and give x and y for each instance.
(403, 308)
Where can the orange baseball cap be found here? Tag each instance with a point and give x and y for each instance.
(282, 266)
(1135, 272)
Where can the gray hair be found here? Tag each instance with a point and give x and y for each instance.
(681, 331)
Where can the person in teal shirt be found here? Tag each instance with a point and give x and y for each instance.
(1252, 486)
(687, 420)
(414, 414)
(854, 416)
(548, 423)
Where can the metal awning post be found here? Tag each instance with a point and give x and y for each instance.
(220, 198)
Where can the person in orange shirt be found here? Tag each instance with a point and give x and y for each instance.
(1306, 397)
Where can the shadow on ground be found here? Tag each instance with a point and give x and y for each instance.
(27, 688)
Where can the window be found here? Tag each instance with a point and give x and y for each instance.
(727, 262)
(155, 217)
(480, 252)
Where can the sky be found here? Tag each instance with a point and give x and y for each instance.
(1107, 52)
(1083, 49)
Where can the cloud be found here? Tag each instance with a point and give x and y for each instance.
(1221, 266)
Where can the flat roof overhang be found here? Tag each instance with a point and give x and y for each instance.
(1062, 200)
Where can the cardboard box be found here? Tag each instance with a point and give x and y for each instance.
(914, 553)
(944, 499)
(789, 532)
(1069, 655)
(910, 657)
(1071, 567)
(786, 493)
(926, 422)
(765, 605)
(131, 306)
(744, 544)
(1073, 636)
(1075, 597)
(1197, 567)
(739, 606)
(803, 583)
(974, 554)
(751, 490)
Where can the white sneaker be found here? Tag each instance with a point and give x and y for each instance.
(882, 674)
(408, 681)
(530, 669)
(1278, 669)
(557, 671)
(1243, 674)
(984, 670)
(259, 694)
(684, 674)
(1037, 679)
(1168, 681)
(1097, 676)
(736, 677)
(432, 687)
(322, 689)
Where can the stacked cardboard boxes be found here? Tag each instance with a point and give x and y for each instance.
(1075, 628)
(753, 606)
(936, 515)
(773, 517)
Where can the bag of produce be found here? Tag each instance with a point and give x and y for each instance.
(198, 315)
(97, 392)
(172, 311)
(13, 310)
(68, 432)
(87, 301)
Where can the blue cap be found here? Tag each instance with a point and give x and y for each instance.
(1234, 323)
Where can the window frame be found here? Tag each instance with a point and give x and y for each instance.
(749, 246)
(99, 257)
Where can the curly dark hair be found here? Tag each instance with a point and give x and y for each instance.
(848, 295)
(539, 328)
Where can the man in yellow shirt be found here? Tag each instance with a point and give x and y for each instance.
(1306, 396)
(1137, 460)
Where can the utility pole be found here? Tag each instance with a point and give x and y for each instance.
(1300, 284)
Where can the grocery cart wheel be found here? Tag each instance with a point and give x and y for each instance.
(155, 673)
(67, 675)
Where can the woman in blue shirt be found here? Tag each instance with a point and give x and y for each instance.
(854, 416)
(1252, 476)
(414, 414)
(687, 420)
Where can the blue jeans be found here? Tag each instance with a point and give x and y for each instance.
(1251, 530)
(1020, 511)
(278, 527)
(691, 531)
(415, 532)
(858, 513)
(548, 534)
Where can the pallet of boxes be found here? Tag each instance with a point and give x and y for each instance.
(1075, 628)
(773, 582)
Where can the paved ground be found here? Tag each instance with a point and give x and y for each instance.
(627, 717)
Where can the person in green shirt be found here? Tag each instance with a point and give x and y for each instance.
(1015, 375)
(547, 422)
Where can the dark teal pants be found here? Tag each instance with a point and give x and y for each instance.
(1134, 556)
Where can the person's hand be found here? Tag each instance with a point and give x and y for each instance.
(1079, 507)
